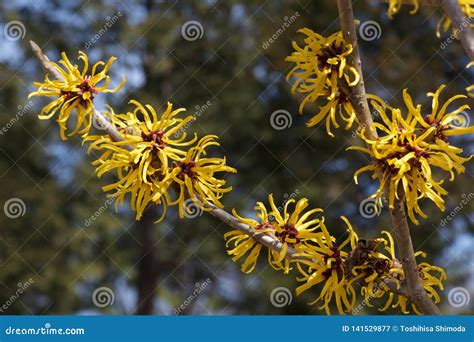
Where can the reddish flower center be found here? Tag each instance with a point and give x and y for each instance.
(328, 52)
(438, 133)
(85, 86)
(186, 169)
(155, 137)
(288, 232)
(336, 265)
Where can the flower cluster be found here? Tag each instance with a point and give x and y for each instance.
(150, 163)
(291, 229)
(337, 269)
(410, 146)
(75, 91)
(321, 70)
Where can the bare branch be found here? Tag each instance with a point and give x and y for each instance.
(414, 288)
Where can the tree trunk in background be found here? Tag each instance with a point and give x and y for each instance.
(148, 266)
(147, 270)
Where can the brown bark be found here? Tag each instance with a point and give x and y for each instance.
(413, 286)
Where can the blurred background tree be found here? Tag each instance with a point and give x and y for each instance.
(232, 78)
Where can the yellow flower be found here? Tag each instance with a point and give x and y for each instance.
(152, 136)
(447, 123)
(467, 7)
(141, 161)
(409, 147)
(326, 266)
(431, 277)
(395, 5)
(319, 67)
(293, 229)
(195, 176)
(76, 90)
(340, 103)
(240, 243)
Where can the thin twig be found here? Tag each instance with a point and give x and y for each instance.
(414, 288)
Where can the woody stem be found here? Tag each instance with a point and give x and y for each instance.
(414, 288)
